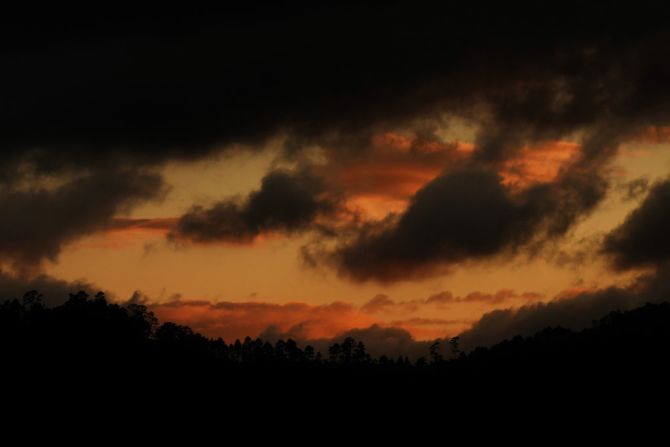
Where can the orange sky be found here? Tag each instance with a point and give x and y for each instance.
(233, 290)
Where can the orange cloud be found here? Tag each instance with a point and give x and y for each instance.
(423, 319)
(160, 225)
(399, 165)
(537, 164)
(377, 304)
(573, 292)
(654, 135)
(432, 328)
(121, 232)
(383, 304)
(384, 178)
(231, 320)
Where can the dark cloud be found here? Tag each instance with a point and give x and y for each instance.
(499, 297)
(127, 223)
(465, 214)
(145, 87)
(573, 312)
(634, 189)
(378, 303)
(448, 220)
(38, 221)
(642, 239)
(287, 202)
(113, 91)
(54, 291)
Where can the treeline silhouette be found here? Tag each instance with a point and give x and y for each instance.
(88, 343)
(92, 329)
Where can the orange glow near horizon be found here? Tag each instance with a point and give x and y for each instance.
(270, 286)
(424, 319)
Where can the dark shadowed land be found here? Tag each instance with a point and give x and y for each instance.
(98, 350)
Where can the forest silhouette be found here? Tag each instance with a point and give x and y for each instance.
(89, 343)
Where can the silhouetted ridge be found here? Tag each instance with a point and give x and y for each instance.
(90, 343)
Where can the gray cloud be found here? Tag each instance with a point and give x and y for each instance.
(54, 291)
(287, 202)
(131, 91)
(642, 239)
(37, 222)
(147, 87)
(575, 312)
(466, 214)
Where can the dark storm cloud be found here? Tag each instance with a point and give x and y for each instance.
(640, 241)
(54, 291)
(38, 221)
(287, 202)
(461, 215)
(448, 220)
(174, 84)
(575, 312)
(643, 239)
(111, 89)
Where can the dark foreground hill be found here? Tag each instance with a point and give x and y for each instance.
(97, 350)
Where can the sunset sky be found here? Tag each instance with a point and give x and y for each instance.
(307, 172)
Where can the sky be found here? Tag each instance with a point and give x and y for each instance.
(399, 172)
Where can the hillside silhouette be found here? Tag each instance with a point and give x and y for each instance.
(89, 345)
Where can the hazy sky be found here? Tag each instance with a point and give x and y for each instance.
(305, 171)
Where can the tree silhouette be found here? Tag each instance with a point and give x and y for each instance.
(435, 355)
(454, 344)
(33, 300)
(87, 337)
